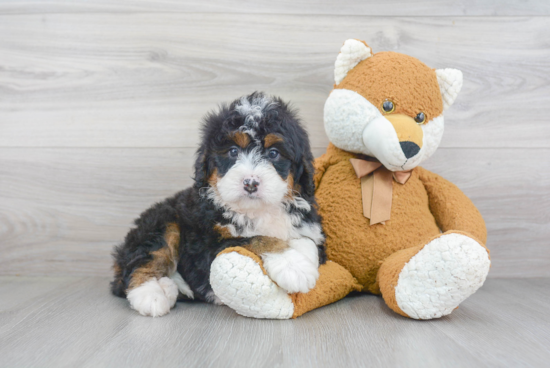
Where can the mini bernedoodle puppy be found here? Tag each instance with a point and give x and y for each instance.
(253, 188)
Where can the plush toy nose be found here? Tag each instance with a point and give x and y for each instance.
(408, 132)
(410, 149)
(251, 185)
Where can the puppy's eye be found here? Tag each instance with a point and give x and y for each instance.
(420, 118)
(233, 152)
(273, 154)
(388, 106)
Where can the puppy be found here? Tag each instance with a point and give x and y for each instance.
(253, 188)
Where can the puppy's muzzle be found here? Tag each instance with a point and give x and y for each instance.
(251, 185)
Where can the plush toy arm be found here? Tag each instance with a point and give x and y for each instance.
(452, 209)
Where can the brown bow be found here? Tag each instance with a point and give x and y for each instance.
(376, 189)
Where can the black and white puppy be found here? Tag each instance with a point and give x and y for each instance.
(253, 188)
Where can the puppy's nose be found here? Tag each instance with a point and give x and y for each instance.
(251, 185)
(409, 148)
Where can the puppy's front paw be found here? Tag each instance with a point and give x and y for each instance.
(291, 270)
(154, 298)
(307, 247)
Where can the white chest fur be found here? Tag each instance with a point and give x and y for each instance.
(272, 221)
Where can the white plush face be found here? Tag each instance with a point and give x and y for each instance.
(354, 124)
(401, 134)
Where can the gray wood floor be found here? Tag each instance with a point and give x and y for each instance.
(75, 322)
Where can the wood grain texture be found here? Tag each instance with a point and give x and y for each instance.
(62, 210)
(100, 106)
(79, 323)
(18, 290)
(305, 7)
(145, 80)
(506, 304)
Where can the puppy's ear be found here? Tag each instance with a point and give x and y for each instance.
(305, 179)
(202, 170)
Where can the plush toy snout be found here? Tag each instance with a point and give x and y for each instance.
(396, 140)
(409, 133)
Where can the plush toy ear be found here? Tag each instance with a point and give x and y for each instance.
(353, 52)
(450, 83)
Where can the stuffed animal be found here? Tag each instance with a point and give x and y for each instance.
(392, 227)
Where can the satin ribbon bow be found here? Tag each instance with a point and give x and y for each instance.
(376, 189)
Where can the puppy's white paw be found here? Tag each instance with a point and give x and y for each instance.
(170, 289)
(154, 297)
(291, 270)
(307, 247)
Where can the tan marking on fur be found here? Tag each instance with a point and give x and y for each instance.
(291, 186)
(264, 244)
(223, 231)
(172, 238)
(164, 260)
(213, 181)
(241, 139)
(271, 139)
(117, 269)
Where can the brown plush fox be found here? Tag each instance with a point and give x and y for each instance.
(392, 227)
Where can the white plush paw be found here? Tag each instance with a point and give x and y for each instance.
(154, 297)
(239, 282)
(291, 270)
(441, 276)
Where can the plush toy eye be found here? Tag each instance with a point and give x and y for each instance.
(233, 152)
(388, 106)
(420, 118)
(273, 154)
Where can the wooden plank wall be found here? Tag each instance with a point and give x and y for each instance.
(100, 102)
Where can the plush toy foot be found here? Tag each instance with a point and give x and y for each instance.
(238, 278)
(155, 297)
(431, 281)
(242, 284)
